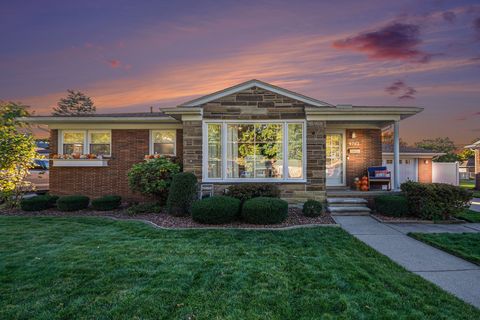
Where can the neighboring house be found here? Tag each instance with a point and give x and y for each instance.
(415, 163)
(251, 132)
(476, 147)
(466, 169)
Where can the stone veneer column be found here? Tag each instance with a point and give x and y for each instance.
(316, 160)
(192, 147)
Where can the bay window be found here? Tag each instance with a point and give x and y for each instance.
(254, 151)
(163, 142)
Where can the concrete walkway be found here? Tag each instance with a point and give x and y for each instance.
(475, 206)
(453, 274)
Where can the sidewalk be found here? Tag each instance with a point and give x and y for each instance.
(453, 274)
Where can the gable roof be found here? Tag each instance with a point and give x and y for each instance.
(475, 145)
(255, 83)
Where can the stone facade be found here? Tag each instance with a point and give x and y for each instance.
(192, 147)
(254, 103)
(369, 141)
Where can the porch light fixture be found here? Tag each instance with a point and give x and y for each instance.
(354, 135)
(425, 161)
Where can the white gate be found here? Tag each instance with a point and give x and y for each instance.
(445, 172)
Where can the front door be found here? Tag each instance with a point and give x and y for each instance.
(335, 159)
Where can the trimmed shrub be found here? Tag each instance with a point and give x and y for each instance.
(72, 203)
(264, 210)
(182, 194)
(148, 207)
(392, 205)
(38, 203)
(246, 191)
(106, 203)
(153, 177)
(216, 210)
(312, 208)
(435, 201)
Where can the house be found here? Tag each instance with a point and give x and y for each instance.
(415, 163)
(466, 169)
(251, 132)
(476, 147)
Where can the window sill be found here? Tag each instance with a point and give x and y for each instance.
(80, 162)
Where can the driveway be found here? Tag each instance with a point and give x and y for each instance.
(451, 273)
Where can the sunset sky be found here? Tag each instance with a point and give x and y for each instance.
(130, 55)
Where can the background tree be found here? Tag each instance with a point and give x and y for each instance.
(444, 145)
(17, 151)
(387, 138)
(76, 103)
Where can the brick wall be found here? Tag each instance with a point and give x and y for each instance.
(192, 147)
(477, 161)
(425, 170)
(128, 147)
(370, 144)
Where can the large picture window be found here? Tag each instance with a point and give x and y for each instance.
(256, 151)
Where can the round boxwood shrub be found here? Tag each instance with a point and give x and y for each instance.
(312, 208)
(263, 210)
(392, 205)
(73, 203)
(182, 193)
(216, 210)
(38, 203)
(106, 203)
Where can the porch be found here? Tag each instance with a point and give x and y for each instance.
(344, 201)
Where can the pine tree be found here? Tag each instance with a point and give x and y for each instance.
(76, 103)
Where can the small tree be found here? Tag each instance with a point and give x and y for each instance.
(17, 152)
(153, 177)
(76, 103)
(10, 112)
(445, 145)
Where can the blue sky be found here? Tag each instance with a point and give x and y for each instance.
(130, 55)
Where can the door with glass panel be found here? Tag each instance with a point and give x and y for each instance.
(335, 159)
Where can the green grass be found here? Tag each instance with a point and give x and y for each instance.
(94, 268)
(469, 215)
(467, 183)
(463, 245)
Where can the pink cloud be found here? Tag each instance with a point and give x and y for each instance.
(395, 41)
(114, 63)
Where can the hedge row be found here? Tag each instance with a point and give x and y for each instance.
(70, 203)
(224, 209)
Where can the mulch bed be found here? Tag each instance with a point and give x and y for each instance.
(164, 220)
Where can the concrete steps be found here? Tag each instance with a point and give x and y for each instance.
(348, 206)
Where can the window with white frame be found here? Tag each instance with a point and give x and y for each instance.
(100, 142)
(163, 142)
(97, 142)
(257, 151)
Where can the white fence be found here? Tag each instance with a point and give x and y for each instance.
(445, 172)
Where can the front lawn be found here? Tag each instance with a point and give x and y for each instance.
(469, 215)
(96, 268)
(467, 183)
(463, 245)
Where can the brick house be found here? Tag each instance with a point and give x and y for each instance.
(251, 132)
